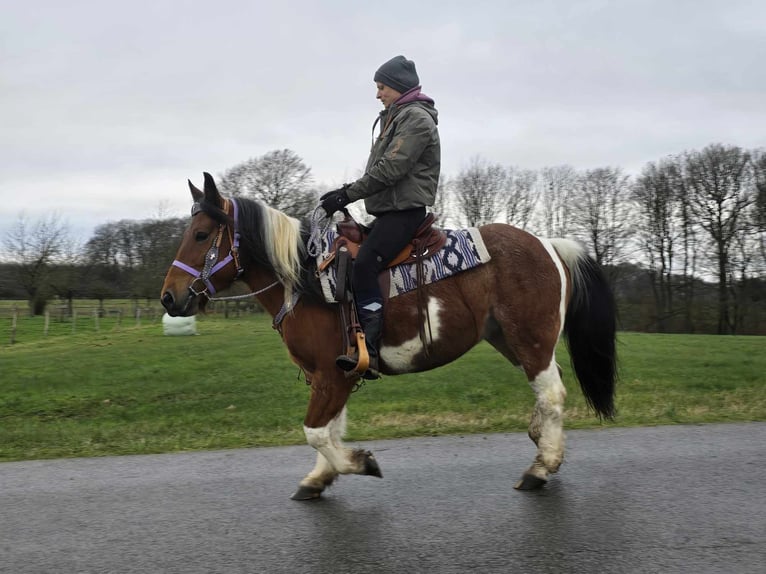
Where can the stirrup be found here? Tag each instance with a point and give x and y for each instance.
(372, 371)
(349, 364)
(359, 363)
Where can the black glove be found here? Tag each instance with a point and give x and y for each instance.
(334, 200)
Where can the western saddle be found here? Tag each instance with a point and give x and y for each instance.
(427, 241)
(351, 234)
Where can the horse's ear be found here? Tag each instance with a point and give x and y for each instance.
(211, 191)
(196, 193)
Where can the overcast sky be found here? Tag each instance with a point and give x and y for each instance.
(107, 108)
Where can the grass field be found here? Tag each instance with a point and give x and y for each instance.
(132, 390)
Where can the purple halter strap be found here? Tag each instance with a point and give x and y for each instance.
(212, 265)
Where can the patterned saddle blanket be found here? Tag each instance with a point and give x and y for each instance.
(463, 250)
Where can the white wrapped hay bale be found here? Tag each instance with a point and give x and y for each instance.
(179, 325)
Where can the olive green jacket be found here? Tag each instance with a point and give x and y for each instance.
(403, 168)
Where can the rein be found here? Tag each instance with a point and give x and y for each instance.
(245, 296)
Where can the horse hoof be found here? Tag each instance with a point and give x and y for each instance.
(530, 482)
(371, 467)
(307, 493)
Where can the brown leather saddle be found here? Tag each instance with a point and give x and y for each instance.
(427, 241)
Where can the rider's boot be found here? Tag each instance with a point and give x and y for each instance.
(371, 319)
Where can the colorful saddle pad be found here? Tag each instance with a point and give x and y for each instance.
(464, 250)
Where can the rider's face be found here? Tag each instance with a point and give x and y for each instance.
(386, 94)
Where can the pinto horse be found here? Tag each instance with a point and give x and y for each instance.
(521, 301)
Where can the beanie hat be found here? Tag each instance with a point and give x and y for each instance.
(398, 73)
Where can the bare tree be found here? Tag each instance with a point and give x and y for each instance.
(557, 186)
(65, 278)
(759, 176)
(278, 178)
(103, 247)
(522, 196)
(104, 262)
(34, 247)
(157, 241)
(688, 252)
(748, 267)
(721, 194)
(599, 211)
(478, 192)
(129, 258)
(657, 198)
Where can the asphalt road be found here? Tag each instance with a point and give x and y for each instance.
(666, 499)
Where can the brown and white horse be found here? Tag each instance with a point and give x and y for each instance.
(521, 301)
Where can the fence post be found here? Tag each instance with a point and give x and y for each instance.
(138, 316)
(74, 321)
(14, 320)
(95, 320)
(47, 322)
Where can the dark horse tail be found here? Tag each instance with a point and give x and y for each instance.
(590, 328)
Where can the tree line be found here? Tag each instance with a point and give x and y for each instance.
(683, 242)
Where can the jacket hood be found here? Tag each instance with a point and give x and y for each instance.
(413, 95)
(416, 96)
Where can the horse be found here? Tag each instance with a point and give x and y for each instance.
(531, 292)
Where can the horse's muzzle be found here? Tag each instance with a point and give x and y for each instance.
(178, 307)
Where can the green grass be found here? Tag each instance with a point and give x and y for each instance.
(133, 390)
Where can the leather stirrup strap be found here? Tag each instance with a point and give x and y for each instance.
(424, 318)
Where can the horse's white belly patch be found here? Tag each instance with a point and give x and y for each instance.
(399, 358)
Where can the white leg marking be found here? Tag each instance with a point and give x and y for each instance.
(399, 358)
(328, 441)
(548, 417)
(322, 472)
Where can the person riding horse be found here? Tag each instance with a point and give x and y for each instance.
(400, 181)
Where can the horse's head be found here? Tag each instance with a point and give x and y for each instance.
(199, 270)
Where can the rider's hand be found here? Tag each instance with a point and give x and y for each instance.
(334, 200)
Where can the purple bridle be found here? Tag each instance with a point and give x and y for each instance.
(212, 265)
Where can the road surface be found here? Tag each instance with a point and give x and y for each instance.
(666, 499)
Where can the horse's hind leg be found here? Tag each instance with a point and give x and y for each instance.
(546, 427)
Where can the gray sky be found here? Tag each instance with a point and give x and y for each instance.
(107, 108)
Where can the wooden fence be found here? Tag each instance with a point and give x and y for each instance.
(61, 320)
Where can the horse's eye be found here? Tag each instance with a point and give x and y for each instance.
(201, 235)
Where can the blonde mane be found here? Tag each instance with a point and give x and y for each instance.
(284, 248)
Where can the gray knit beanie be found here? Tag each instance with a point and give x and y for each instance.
(398, 73)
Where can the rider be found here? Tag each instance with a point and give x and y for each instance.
(400, 180)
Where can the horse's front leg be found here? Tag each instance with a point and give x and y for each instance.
(325, 425)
